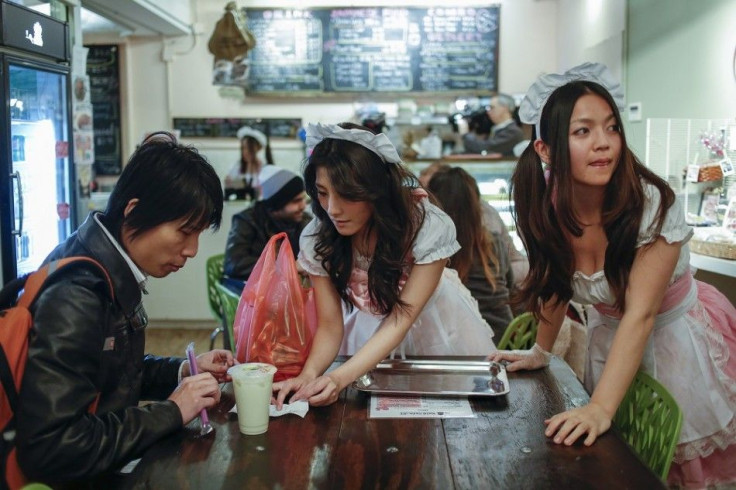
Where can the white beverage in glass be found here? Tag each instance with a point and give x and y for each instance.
(252, 386)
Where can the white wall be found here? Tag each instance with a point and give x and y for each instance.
(591, 30)
(680, 61)
(178, 9)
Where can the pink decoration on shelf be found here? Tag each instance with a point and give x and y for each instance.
(714, 143)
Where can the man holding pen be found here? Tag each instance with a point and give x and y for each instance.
(88, 348)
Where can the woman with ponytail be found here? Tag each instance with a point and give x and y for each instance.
(600, 228)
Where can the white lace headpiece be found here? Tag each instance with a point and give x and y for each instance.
(530, 110)
(377, 143)
(253, 133)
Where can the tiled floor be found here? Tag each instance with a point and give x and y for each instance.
(174, 341)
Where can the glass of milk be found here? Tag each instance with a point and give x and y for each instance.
(252, 386)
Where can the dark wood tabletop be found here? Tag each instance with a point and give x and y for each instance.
(339, 446)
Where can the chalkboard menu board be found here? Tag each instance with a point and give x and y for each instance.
(104, 87)
(192, 127)
(380, 49)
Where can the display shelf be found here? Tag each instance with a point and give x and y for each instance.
(713, 264)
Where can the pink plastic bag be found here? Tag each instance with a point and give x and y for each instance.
(276, 317)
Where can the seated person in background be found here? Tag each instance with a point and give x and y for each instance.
(505, 133)
(493, 223)
(88, 349)
(376, 254)
(281, 209)
(241, 181)
(482, 262)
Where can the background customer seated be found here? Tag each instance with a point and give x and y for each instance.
(482, 261)
(281, 209)
(492, 221)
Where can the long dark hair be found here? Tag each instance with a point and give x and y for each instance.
(542, 224)
(171, 181)
(358, 174)
(458, 195)
(253, 145)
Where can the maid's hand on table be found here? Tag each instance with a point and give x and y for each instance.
(565, 428)
(322, 391)
(282, 389)
(533, 358)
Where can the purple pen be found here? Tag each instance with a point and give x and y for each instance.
(203, 416)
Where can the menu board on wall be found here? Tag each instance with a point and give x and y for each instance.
(216, 127)
(389, 50)
(104, 86)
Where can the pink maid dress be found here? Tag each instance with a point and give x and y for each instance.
(449, 324)
(691, 352)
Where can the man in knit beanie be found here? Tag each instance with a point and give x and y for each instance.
(281, 208)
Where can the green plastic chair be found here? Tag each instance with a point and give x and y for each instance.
(215, 267)
(229, 301)
(520, 334)
(650, 420)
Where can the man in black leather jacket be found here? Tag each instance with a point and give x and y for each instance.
(281, 209)
(87, 345)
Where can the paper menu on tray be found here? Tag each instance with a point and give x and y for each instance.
(418, 407)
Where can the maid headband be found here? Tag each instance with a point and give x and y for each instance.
(253, 133)
(530, 110)
(377, 143)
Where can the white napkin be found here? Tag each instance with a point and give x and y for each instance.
(299, 408)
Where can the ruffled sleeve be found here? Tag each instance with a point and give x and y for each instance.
(674, 228)
(436, 239)
(307, 258)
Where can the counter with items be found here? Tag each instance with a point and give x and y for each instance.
(696, 157)
(714, 249)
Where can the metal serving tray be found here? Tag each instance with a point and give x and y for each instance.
(435, 377)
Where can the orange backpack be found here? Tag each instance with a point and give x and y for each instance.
(15, 330)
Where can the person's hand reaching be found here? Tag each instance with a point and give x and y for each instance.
(215, 361)
(533, 358)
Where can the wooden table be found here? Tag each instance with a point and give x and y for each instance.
(340, 447)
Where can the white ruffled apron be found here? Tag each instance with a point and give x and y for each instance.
(687, 357)
(449, 324)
